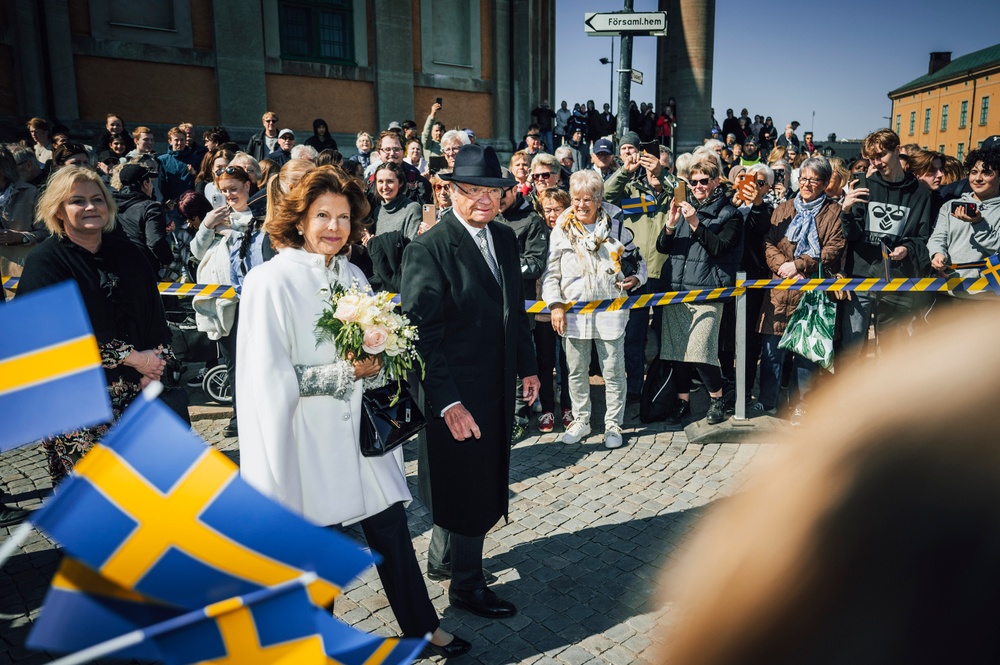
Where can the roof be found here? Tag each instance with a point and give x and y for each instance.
(971, 62)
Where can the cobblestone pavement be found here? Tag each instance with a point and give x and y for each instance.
(589, 533)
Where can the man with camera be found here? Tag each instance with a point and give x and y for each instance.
(886, 220)
(642, 189)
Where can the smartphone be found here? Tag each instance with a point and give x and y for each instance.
(430, 215)
(779, 176)
(435, 164)
(968, 207)
(680, 192)
(439, 102)
(742, 181)
(651, 147)
(861, 177)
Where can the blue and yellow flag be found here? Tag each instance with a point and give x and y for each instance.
(992, 273)
(51, 380)
(156, 511)
(82, 609)
(274, 625)
(642, 204)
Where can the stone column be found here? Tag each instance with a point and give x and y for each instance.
(393, 62)
(684, 67)
(65, 104)
(502, 130)
(30, 72)
(520, 45)
(239, 69)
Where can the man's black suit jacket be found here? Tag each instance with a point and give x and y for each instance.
(475, 341)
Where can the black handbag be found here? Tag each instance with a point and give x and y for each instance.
(658, 392)
(386, 426)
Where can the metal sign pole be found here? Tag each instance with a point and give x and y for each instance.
(741, 350)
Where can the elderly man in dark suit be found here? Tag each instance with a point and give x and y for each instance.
(462, 288)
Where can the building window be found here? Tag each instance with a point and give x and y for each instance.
(984, 111)
(159, 22)
(927, 120)
(963, 115)
(913, 121)
(317, 30)
(941, 148)
(944, 118)
(960, 153)
(899, 121)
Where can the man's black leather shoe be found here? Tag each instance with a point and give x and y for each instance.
(456, 647)
(9, 515)
(442, 574)
(483, 602)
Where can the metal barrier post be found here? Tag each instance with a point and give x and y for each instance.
(741, 350)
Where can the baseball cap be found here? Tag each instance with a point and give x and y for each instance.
(991, 142)
(286, 131)
(471, 134)
(394, 126)
(715, 130)
(602, 146)
(134, 174)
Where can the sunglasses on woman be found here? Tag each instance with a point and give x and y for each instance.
(541, 176)
(703, 182)
(230, 170)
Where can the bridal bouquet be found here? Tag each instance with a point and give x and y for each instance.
(363, 325)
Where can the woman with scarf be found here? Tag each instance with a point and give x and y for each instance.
(805, 231)
(704, 241)
(585, 264)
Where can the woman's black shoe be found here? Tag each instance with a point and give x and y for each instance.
(682, 409)
(456, 647)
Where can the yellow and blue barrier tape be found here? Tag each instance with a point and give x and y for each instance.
(900, 285)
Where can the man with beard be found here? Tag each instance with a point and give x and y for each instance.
(751, 154)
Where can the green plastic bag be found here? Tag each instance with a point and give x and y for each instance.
(811, 327)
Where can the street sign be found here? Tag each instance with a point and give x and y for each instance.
(636, 76)
(620, 23)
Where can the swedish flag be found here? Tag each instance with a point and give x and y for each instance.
(155, 511)
(274, 625)
(642, 204)
(51, 380)
(992, 273)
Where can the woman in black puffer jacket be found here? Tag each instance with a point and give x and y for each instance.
(704, 239)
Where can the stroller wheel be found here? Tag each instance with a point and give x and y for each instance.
(216, 384)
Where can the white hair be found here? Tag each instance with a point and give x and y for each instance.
(714, 144)
(562, 152)
(682, 164)
(453, 135)
(306, 152)
(762, 168)
(706, 151)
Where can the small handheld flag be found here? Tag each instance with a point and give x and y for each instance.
(49, 356)
(640, 205)
(992, 273)
(174, 523)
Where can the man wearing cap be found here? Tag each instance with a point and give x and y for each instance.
(642, 189)
(751, 154)
(264, 142)
(462, 288)
(603, 157)
(283, 152)
(143, 219)
(533, 141)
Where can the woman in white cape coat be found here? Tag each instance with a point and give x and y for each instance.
(299, 402)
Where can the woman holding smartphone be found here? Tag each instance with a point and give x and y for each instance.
(968, 228)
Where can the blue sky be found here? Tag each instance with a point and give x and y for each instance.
(835, 59)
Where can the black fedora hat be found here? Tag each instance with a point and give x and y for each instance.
(478, 165)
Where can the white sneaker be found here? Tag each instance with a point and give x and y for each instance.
(577, 432)
(613, 437)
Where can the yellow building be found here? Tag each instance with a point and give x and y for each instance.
(949, 108)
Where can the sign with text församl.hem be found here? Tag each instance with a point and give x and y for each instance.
(653, 24)
(636, 76)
